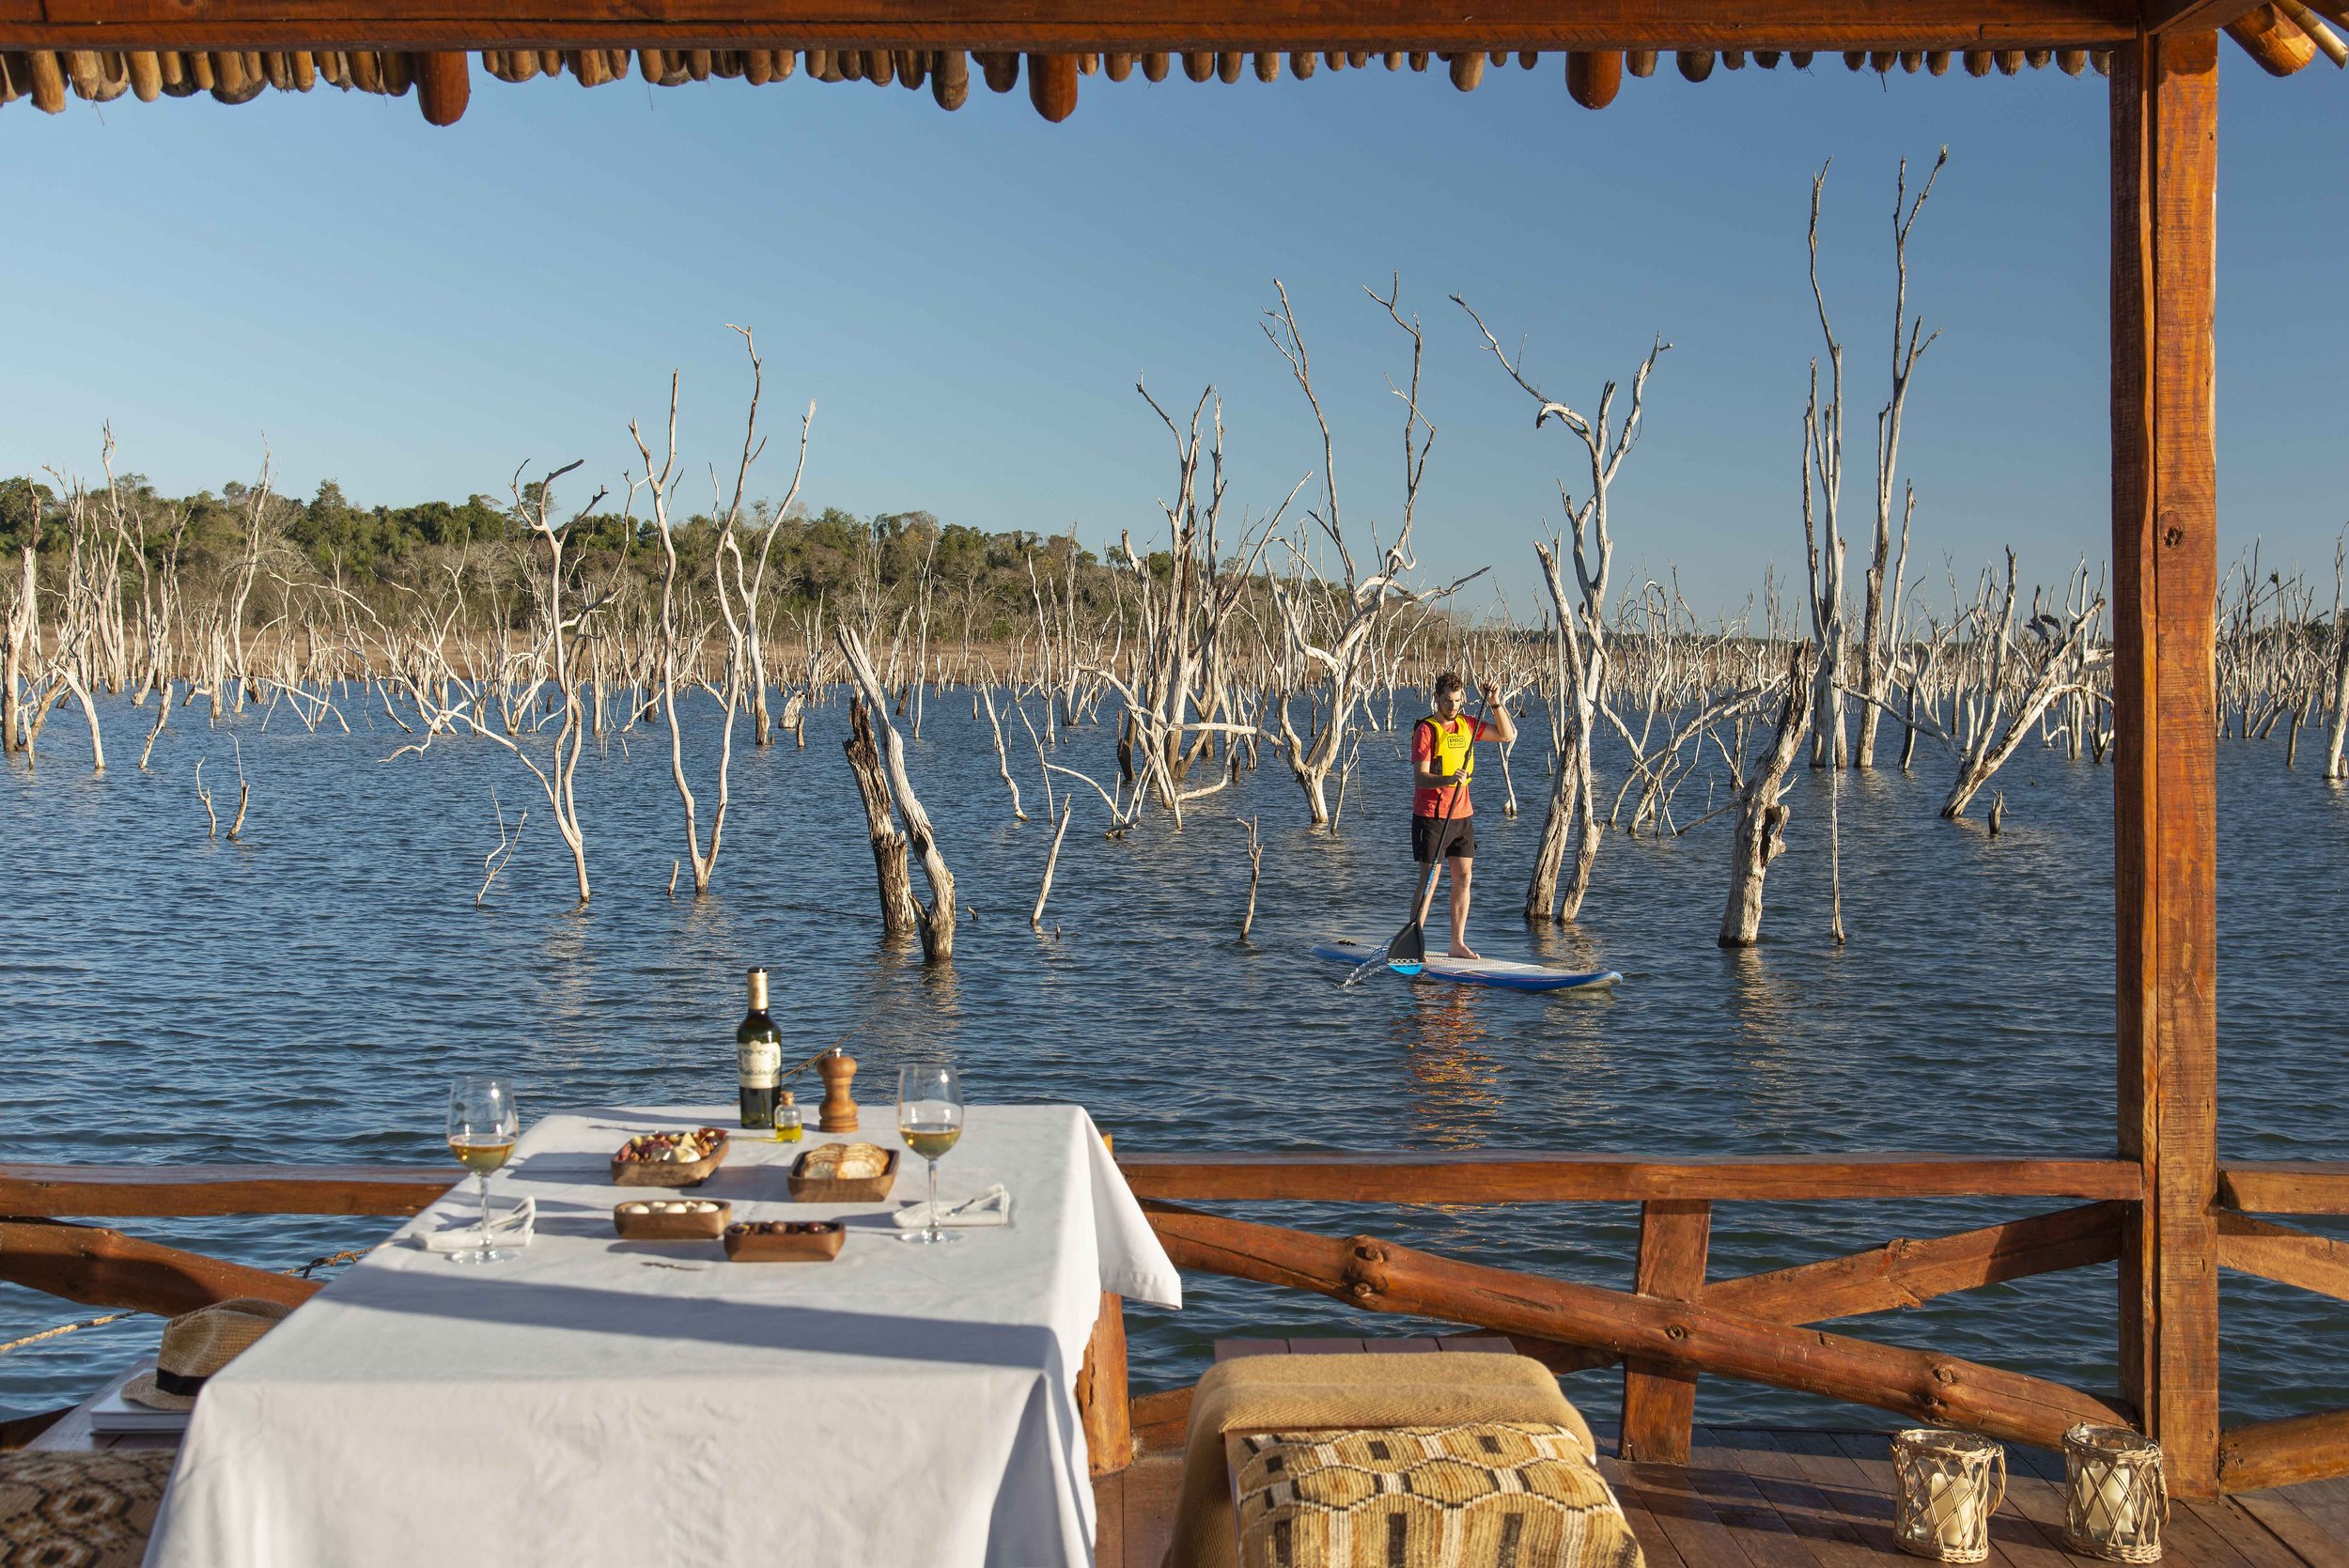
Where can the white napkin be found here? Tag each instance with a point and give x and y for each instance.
(992, 1207)
(511, 1228)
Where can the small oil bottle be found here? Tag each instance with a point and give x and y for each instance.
(787, 1125)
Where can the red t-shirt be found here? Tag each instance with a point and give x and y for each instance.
(1455, 796)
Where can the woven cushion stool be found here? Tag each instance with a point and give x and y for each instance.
(80, 1509)
(1391, 1461)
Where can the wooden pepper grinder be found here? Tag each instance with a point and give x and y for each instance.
(838, 1111)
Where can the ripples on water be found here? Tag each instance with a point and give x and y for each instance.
(305, 995)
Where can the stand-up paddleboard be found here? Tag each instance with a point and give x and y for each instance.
(1470, 972)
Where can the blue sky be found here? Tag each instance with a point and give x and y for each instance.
(969, 297)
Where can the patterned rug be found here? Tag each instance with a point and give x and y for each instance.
(80, 1509)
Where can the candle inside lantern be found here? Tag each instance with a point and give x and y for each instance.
(1946, 1485)
(2114, 1502)
(2117, 1492)
(1956, 1507)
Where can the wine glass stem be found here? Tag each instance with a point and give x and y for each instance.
(481, 1180)
(933, 1200)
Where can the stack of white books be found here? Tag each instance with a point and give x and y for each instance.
(115, 1414)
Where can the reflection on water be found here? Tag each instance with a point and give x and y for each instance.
(1763, 1007)
(306, 994)
(1455, 1094)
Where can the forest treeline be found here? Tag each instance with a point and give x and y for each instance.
(380, 552)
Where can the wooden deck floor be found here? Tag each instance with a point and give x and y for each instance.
(1752, 1498)
(1757, 1499)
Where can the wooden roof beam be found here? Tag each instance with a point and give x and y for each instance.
(2271, 39)
(2192, 16)
(1075, 26)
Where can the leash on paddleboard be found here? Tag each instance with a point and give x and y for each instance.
(1408, 954)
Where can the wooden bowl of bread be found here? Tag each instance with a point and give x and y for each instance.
(844, 1173)
(670, 1159)
(672, 1220)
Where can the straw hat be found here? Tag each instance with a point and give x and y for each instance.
(197, 1345)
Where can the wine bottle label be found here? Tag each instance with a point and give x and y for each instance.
(758, 1064)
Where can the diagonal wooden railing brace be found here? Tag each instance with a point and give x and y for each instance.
(1384, 1275)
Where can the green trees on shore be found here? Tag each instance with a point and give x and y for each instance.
(981, 580)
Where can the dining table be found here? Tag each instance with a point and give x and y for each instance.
(596, 1402)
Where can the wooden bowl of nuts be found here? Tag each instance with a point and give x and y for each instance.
(784, 1241)
(672, 1220)
(844, 1173)
(670, 1159)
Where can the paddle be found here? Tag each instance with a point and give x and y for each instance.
(1407, 953)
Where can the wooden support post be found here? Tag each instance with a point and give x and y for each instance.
(1103, 1400)
(2165, 113)
(1659, 1404)
(1104, 1395)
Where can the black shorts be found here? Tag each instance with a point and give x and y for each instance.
(1435, 838)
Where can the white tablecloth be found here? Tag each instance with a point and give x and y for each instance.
(592, 1403)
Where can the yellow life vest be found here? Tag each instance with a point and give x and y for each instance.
(1454, 747)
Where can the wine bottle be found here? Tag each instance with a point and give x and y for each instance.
(757, 1058)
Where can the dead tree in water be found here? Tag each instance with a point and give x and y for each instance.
(24, 631)
(1821, 524)
(1177, 683)
(738, 605)
(2337, 766)
(1326, 624)
(658, 483)
(1580, 630)
(1002, 762)
(1824, 545)
(232, 620)
(1256, 875)
(1880, 614)
(898, 913)
(550, 659)
(92, 586)
(1761, 833)
(750, 586)
(938, 919)
(1052, 863)
(2052, 659)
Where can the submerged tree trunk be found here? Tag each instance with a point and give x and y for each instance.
(2336, 766)
(938, 918)
(1549, 857)
(1761, 832)
(12, 676)
(889, 845)
(89, 712)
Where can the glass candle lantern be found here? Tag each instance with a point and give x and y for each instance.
(2115, 1498)
(1945, 1487)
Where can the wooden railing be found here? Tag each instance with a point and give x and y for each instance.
(1674, 1326)
(178, 1191)
(1675, 1323)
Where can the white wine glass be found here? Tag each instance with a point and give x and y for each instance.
(482, 1126)
(929, 1118)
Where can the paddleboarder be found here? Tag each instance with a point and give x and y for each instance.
(1443, 820)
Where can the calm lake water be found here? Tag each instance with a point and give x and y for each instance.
(304, 996)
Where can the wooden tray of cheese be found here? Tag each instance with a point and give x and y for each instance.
(670, 1159)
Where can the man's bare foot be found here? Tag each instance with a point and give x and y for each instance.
(1461, 950)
